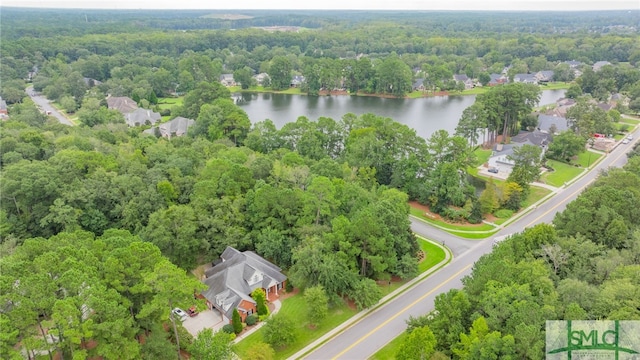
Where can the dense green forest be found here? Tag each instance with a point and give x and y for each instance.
(102, 218)
(585, 266)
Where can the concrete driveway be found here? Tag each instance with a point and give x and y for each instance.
(208, 319)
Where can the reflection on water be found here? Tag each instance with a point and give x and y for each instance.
(425, 115)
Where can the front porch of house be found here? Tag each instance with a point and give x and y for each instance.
(273, 292)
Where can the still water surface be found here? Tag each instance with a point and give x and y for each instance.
(425, 115)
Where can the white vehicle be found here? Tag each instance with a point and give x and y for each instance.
(499, 239)
(180, 314)
(625, 141)
(630, 137)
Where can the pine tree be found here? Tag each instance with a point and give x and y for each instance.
(236, 321)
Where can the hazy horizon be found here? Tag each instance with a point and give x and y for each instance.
(372, 5)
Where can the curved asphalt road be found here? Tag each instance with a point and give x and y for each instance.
(43, 103)
(366, 337)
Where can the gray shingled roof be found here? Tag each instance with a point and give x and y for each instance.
(545, 122)
(460, 77)
(237, 276)
(175, 127)
(123, 104)
(140, 117)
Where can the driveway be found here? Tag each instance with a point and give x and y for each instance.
(208, 319)
(44, 104)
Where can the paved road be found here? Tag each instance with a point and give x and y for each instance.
(43, 103)
(367, 336)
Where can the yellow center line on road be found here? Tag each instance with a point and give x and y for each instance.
(401, 312)
(377, 328)
(567, 197)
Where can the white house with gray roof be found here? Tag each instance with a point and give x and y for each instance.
(176, 127)
(141, 116)
(231, 281)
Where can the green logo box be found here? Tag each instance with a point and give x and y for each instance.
(592, 339)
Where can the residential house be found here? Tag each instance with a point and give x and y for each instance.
(497, 79)
(599, 64)
(606, 107)
(123, 104)
(573, 64)
(297, 80)
(468, 83)
(525, 78)
(260, 78)
(227, 80)
(91, 82)
(562, 106)
(4, 113)
(172, 128)
(547, 123)
(141, 117)
(544, 76)
(418, 85)
(231, 281)
(500, 157)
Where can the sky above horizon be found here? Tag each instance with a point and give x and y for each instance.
(560, 5)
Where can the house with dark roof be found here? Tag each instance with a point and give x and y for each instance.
(231, 281)
(124, 104)
(176, 127)
(418, 85)
(468, 83)
(500, 156)
(544, 76)
(552, 124)
(525, 78)
(497, 79)
(141, 116)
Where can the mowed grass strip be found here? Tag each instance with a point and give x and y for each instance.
(296, 309)
(562, 173)
(389, 351)
(433, 255)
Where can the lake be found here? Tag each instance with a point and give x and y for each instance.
(425, 115)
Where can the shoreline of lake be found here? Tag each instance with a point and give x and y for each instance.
(425, 115)
(411, 95)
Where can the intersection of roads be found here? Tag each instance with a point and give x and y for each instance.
(365, 337)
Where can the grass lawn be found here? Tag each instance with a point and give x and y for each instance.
(261, 89)
(555, 86)
(390, 350)
(536, 193)
(295, 307)
(482, 156)
(630, 121)
(588, 158)
(168, 103)
(434, 254)
(562, 174)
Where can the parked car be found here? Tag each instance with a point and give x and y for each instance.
(493, 170)
(179, 313)
(630, 137)
(625, 141)
(192, 311)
